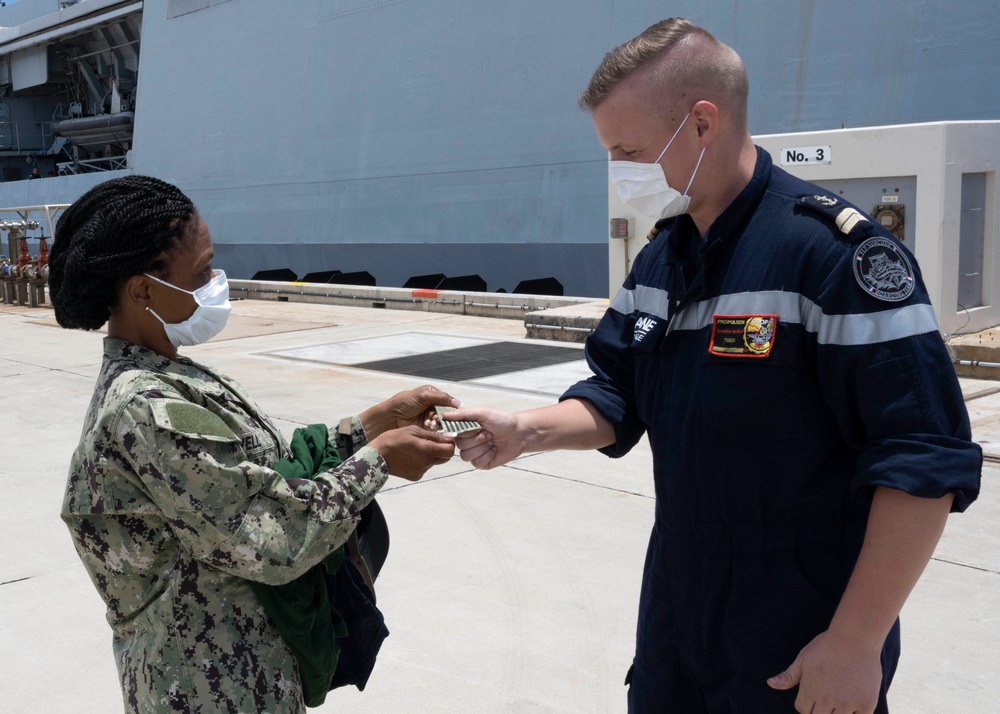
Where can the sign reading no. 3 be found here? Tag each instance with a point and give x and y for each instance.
(805, 155)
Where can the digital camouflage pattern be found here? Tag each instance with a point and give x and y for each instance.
(172, 508)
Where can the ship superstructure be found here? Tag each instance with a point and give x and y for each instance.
(424, 138)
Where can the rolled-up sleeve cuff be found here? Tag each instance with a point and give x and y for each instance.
(923, 465)
(349, 436)
(611, 405)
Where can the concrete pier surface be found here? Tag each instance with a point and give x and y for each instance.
(510, 591)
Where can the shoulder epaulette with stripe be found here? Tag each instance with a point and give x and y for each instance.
(849, 220)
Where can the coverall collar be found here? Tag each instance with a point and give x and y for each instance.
(688, 258)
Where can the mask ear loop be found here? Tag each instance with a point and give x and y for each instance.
(683, 122)
(147, 308)
(153, 313)
(700, 157)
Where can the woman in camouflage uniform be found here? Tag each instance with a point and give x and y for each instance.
(170, 501)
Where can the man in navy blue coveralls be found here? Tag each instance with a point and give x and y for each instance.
(809, 437)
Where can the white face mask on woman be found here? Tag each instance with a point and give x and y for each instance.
(208, 319)
(644, 187)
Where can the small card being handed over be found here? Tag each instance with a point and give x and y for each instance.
(454, 427)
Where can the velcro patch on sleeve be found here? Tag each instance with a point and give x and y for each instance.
(748, 336)
(190, 419)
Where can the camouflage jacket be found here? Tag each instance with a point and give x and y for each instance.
(172, 508)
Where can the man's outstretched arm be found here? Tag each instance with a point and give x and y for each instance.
(570, 424)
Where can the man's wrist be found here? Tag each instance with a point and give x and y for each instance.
(860, 633)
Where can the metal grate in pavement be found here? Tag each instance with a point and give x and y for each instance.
(465, 363)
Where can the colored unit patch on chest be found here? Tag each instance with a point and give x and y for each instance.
(743, 335)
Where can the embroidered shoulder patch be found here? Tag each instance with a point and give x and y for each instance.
(743, 335)
(646, 333)
(643, 326)
(883, 270)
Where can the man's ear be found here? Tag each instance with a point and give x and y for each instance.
(706, 118)
(135, 291)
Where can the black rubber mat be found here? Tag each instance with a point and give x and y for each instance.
(467, 363)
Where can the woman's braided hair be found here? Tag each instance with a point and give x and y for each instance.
(117, 229)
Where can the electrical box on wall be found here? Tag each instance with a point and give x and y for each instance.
(623, 245)
(883, 199)
(621, 228)
(931, 185)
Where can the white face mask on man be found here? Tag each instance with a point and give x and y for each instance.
(644, 187)
(208, 319)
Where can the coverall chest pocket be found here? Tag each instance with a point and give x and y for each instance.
(750, 397)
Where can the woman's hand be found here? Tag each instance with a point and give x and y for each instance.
(410, 408)
(411, 450)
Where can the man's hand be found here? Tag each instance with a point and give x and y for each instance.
(570, 424)
(410, 408)
(500, 440)
(833, 676)
(841, 668)
(410, 451)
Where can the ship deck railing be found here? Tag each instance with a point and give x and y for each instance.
(87, 166)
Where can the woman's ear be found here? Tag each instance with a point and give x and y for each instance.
(135, 292)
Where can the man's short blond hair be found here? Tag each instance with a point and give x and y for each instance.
(676, 58)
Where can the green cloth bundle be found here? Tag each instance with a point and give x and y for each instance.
(301, 609)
